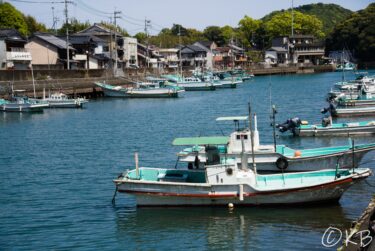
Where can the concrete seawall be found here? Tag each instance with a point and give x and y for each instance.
(81, 82)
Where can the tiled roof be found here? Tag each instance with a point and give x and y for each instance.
(53, 40)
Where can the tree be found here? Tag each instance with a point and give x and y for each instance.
(74, 26)
(227, 33)
(177, 28)
(356, 34)
(119, 29)
(10, 17)
(248, 28)
(141, 37)
(213, 33)
(33, 25)
(281, 25)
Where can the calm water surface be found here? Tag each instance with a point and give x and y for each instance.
(56, 171)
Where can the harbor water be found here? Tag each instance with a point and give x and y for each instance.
(57, 167)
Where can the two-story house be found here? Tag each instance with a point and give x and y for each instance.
(295, 49)
(193, 55)
(13, 54)
(170, 56)
(49, 51)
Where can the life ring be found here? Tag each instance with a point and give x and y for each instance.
(282, 163)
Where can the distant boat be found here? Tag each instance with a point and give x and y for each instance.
(21, 103)
(118, 91)
(61, 100)
(347, 66)
(190, 83)
(225, 184)
(297, 128)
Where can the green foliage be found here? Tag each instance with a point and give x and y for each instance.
(329, 14)
(213, 33)
(357, 33)
(141, 37)
(248, 29)
(73, 26)
(33, 25)
(10, 17)
(110, 26)
(280, 24)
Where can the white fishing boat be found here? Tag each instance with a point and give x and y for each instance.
(205, 151)
(232, 184)
(301, 128)
(20, 103)
(118, 91)
(61, 100)
(190, 83)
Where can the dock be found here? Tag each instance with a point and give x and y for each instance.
(365, 222)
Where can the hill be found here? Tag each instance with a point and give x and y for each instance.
(329, 14)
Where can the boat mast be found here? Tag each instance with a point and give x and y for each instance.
(252, 144)
(273, 126)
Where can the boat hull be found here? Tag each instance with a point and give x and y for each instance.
(142, 93)
(66, 104)
(23, 107)
(349, 112)
(157, 194)
(360, 130)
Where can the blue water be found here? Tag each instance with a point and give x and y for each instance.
(56, 171)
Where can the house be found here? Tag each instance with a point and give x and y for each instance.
(295, 49)
(170, 56)
(239, 55)
(13, 54)
(193, 55)
(130, 52)
(148, 56)
(209, 46)
(113, 47)
(222, 57)
(89, 51)
(49, 51)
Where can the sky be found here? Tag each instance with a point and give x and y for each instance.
(196, 14)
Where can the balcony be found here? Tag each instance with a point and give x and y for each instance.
(18, 54)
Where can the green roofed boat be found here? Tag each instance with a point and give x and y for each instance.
(205, 151)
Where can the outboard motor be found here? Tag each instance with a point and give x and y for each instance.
(290, 125)
(331, 109)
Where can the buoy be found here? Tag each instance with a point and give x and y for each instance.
(230, 205)
(297, 154)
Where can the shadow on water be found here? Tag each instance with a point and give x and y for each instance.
(224, 228)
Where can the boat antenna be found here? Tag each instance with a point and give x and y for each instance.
(353, 156)
(274, 125)
(252, 144)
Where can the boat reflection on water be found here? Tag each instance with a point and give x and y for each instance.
(221, 228)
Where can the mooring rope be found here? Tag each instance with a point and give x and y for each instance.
(114, 196)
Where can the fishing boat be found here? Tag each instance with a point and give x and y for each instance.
(326, 128)
(190, 83)
(137, 92)
(21, 103)
(61, 100)
(346, 66)
(225, 184)
(203, 151)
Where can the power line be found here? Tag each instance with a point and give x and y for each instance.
(47, 2)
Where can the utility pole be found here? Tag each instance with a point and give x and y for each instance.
(115, 16)
(179, 41)
(54, 20)
(147, 25)
(67, 35)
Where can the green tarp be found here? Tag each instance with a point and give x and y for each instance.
(220, 140)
